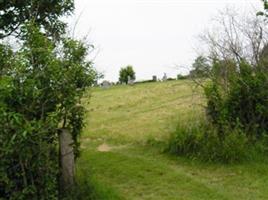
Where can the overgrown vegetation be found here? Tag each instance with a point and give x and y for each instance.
(236, 88)
(14, 14)
(41, 85)
(239, 99)
(201, 140)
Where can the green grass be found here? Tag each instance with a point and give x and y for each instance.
(119, 164)
(134, 113)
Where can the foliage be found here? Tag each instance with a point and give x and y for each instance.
(181, 77)
(264, 13)
(200, 67)
(239, 97)
(41, 88)
(28, 156)
(87, 187)
(236, 89)
(171, 79)
(13, 14)
(201, 140)
(125, 73)
(236, 115)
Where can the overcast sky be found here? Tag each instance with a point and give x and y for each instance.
(154, 36)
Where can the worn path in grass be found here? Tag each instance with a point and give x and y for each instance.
(117, 155)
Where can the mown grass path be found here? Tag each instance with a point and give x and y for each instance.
(123, 166)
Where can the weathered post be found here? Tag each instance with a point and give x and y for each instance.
(66, 161)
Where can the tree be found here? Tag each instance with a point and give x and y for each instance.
(236, 37)
(200, 67)
(125, 73)
(264, 13)
(237, 88)
(13, 14)
(41, 86)
(41, 89)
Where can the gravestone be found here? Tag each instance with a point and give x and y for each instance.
(130, 81)
(155, 78)
(66, 160)
(105, 84)
(164, 77)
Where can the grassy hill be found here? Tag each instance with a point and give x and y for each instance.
(119, 163)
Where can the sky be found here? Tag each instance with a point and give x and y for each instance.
(154, 36)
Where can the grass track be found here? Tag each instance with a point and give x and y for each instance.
(124, 118)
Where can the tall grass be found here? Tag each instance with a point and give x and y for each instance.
(198, 139)
(87, 187)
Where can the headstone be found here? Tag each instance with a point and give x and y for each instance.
(164, 77)
(155, 78)
(66, 160)
(130, 81)
(105, 84)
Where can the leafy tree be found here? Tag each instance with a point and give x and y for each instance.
(41, 86)
(236, 91)
(239, 99)
(200, 67)
(125, 73)
(239, 76)
(46, 14)
(265, 5)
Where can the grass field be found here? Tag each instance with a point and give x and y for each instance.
(119, 162)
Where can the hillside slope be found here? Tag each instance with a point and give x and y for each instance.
(120, 164)
(134, 113)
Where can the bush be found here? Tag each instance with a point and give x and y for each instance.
(182, 77)
(201, 140)
(186, 140)
(238, 97)
(171, 79)
(236, 121)
(234, 147)
(41, 87)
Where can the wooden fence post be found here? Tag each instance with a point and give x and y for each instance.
(66, 161)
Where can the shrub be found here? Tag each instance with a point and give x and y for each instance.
(234, 147)
(201, 140)
(238, 96)
(236, 121)
(41, 87)
(171, 79)
(182, 77)
(186, 140)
